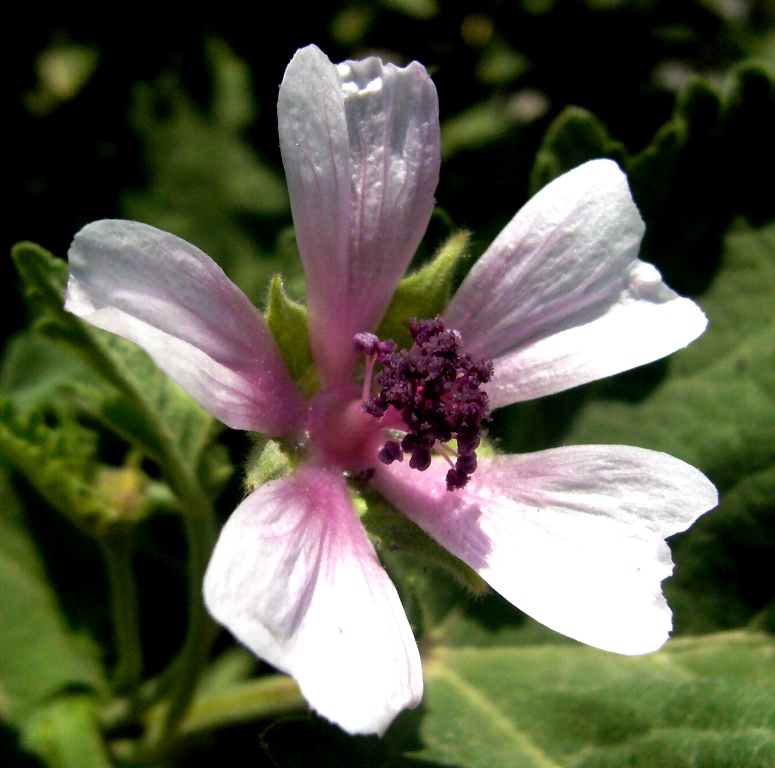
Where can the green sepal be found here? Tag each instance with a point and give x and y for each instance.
(287, 320)
(424, 294)
(269, 460)
(65, 734)
(574, 137)
(392, 531)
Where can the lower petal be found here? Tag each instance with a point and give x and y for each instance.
(295, 578)
(572, 536)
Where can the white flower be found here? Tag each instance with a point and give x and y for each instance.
(573, 536)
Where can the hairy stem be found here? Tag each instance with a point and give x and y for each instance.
(200, 528)
(117, 551)
(199, 524)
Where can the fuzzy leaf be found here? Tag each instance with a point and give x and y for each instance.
(700, 701)
(59, 462)
(574, 137)
(39, 655)
(707, 164)
(391, 531)
(36, 371)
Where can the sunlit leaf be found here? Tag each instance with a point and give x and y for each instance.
(704, 701)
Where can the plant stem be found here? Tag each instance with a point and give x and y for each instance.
(245, 701)
(117, 550)
(199, 525)
(201, 632)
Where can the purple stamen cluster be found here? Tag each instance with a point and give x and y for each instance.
(437, 390)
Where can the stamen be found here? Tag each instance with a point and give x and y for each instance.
(437, 390)
(445, 451)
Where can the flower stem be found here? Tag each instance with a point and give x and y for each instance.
(263, 697)
(199, 523)
(117, 551)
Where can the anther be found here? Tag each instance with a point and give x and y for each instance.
(437, 390)
(391, 452)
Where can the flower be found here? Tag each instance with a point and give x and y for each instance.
(573, 536)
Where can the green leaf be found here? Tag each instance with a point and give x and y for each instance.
(39, 655)
(706, 165)
(66, 734)
(35, 371)
(287, 320)
(149, 408)
(59, 461)
(701, 701)
(574, 137)
(424, 294)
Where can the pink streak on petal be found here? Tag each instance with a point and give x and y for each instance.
(560, 298)
(295, 578)
(174, 301)
(572, 536)
(361, 148)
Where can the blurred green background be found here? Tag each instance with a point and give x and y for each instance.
(172, 122)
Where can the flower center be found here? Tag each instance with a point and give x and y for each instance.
(341, 433)
(432, 392)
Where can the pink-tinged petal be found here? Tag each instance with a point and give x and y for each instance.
(296, 579)
(361, 148)
(176, 303)
(560, 297)
(572, 536)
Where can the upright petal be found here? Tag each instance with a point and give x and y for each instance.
(176, 303)
(361, 148)
(572, 536)
(560, 297)
(295, 578)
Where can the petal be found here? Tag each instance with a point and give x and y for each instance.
(296, 579)
(560, 298)
(361, 148)
(572, 536)
(176, 303)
